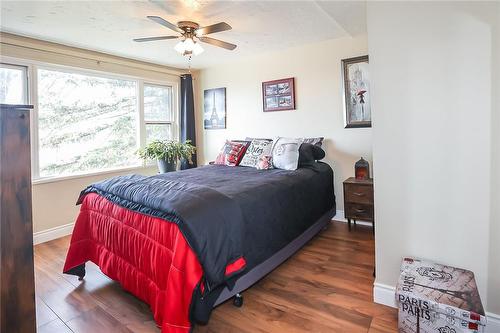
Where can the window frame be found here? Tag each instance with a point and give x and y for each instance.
(173, 122)
(32, 67)
(26, 92)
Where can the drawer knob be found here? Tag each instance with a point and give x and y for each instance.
(358, 194)
(360, 210)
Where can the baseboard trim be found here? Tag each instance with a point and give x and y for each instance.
(493, 322)
(52, 233)
(340, 217)
(386, 295)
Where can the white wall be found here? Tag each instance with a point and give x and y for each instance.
(54, 202)
(319, 112)
(431, 66)
(494, 264)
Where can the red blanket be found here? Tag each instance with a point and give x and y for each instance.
(147, 255)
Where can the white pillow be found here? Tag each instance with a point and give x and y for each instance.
(257, 149)
(286, 153)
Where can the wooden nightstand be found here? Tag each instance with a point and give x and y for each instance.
(358, 201)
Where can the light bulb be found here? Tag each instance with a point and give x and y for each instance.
(189, 44)
(197, 49)
(180, 47)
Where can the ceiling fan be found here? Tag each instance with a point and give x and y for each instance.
(191, 34)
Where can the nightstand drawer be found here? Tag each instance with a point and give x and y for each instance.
(358, 194)
(358, 211)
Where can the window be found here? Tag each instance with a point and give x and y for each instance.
(13, 84)
(87, 122)
(158, 116)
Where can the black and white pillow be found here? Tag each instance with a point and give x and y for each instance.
(258, 149)
(286, 153)
(314, 141)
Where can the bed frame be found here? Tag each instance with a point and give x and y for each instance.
(261, 270)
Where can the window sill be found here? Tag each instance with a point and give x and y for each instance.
(47, 180)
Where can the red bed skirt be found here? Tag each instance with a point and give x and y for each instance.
(148, 256)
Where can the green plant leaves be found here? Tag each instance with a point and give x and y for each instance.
(168, 150)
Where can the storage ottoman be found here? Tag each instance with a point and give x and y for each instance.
(434, 298)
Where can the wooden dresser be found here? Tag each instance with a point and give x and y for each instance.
(358, 201)
(17, 284)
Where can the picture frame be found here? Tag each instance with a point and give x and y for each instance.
(356, 87)
(214, 108)
(278, 95)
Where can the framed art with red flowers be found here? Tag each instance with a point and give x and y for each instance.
(356, 80)
(278, 95)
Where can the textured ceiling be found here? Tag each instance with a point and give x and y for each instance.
(109, 26)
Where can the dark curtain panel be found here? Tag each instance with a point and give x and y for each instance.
(188, 128)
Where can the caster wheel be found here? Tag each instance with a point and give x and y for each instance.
(238, 301)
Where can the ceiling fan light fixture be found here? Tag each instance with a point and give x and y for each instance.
(190, 31)
(189, 44)
(180, 47)
(197, 49)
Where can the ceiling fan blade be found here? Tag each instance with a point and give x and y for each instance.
(217, 42)
(149, 39)
(165, 23)
(218, 27)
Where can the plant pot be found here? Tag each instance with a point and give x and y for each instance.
(166, 166)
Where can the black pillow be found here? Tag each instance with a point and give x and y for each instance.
(318, 152)
(309, 153)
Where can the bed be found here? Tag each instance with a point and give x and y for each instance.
(185, 241)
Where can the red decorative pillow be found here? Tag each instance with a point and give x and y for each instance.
(231, 154)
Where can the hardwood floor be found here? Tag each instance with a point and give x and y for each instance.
(325, 287)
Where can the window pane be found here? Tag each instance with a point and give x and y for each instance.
(157, 103)
(85, 123)
(158, 132)
(13, 84)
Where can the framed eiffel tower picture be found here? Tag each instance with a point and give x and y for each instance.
(214, 112)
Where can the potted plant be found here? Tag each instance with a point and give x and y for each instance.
(167, 153)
